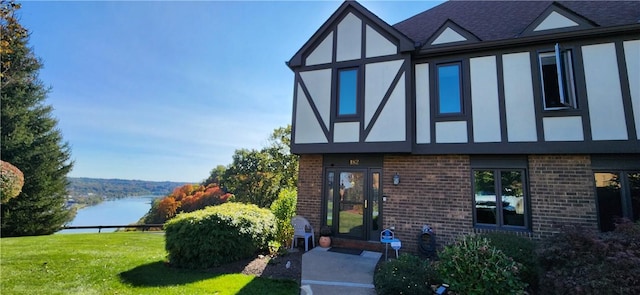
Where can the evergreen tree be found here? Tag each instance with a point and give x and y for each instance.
(29, 138)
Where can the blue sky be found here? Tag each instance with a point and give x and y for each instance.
(167, 90)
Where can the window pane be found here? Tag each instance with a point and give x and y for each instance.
(551, 89)
(329, 198)
(348, 84)
(449, 89)
(634, 187)
(609, 199)
(375, 196)
(485, 196)
(512, 198)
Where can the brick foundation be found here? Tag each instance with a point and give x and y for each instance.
(436, 190)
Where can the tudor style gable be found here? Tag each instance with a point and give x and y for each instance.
(351, 86)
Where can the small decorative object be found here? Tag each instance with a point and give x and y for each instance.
(325, 236)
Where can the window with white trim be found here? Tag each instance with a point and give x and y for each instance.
(557, 79)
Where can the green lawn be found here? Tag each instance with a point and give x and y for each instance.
(112, 263)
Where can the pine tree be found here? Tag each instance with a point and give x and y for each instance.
(29, 138)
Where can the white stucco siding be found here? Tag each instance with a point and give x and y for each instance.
(378, 45)
(484, 99)
(563, 128)
(391, 123)
(451, 132)
(423, 109)
(323, 53)
(448, 36)
(603, 92)
(555, 20)
(378, 79)
(346, 132)
(308, 129)
(349, 38)
(632, 58)
(518, 98)
(318, 84)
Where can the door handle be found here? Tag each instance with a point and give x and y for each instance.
(365, 204)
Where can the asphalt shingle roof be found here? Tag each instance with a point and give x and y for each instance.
(498, 20)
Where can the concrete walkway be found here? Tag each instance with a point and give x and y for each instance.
(329, 273)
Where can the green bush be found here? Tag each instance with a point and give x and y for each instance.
(284, 208)
(522, 250)
(580, 261)
(473, 266)
(218, 234)
(406, 275)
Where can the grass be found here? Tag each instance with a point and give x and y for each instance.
(113, 263)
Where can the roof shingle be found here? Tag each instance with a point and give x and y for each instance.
(499, 20)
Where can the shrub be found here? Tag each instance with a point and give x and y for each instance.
(522, 250)
(284, 208)
(11, 181)
(406, 275)
(218, 234)
(473, 266)
(580, 261)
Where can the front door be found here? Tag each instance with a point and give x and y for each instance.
(352, 202)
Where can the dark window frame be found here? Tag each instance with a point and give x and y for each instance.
(625, 196)
(358, 89)
(500, 223)
(564, 78)
(437, 87)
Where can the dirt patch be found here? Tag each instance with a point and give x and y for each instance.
(287, 266)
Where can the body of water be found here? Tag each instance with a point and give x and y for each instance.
(112, 212)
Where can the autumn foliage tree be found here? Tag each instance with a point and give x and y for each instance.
(187, 198)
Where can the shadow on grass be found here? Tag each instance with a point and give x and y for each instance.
(157, 274)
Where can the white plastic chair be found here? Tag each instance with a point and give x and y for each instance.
(300, 227)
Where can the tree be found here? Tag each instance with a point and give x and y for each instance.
(29, 137)
(258, 176)
(215, 176)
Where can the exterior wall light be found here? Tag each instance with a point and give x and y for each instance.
(396, 179)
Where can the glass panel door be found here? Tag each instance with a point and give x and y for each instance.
(352, 199)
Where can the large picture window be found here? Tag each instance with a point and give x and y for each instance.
(558, 83)
(348, 92)
(500, 198)
(449, 88)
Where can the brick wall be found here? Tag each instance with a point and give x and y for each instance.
(562, 193)
(310, 189)
(436, 190)
(433, 190)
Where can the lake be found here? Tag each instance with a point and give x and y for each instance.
(111, 212)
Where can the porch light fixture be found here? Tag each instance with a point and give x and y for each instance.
(396, 179)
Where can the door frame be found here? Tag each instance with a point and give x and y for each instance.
(369, 165)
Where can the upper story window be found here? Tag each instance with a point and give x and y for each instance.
(348, 92)
(500, 198)
(556, 74)
(449, 88)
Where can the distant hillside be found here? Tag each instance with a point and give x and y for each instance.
(118, 188)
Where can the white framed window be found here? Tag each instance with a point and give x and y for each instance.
(557, 79)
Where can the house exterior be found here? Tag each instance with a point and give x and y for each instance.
(473, 116)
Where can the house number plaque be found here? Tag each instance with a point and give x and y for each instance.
(354, 162)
